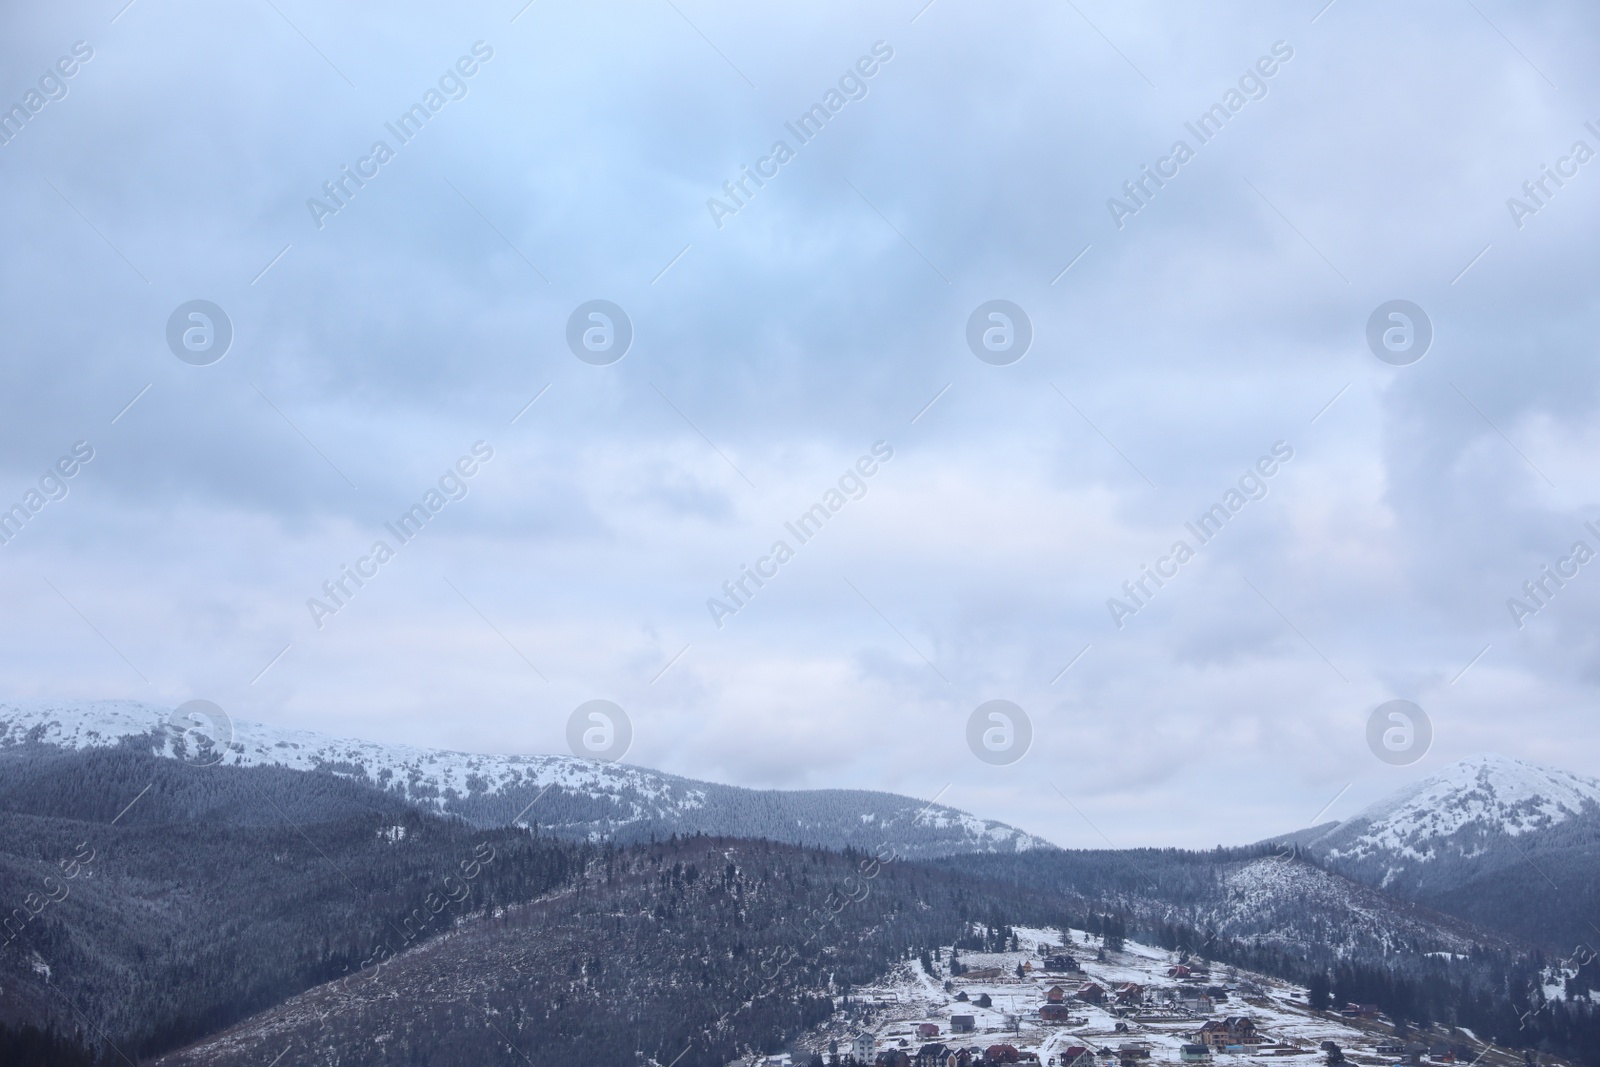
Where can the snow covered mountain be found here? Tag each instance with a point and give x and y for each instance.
(1505, 843)
(562, 795)
(1461, 811)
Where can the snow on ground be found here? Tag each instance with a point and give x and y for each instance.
(1496, 793)
(893, 1009)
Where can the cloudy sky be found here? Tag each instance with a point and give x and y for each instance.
(1178, 336)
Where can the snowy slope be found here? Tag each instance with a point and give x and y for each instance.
(563, 794)
(1294, 904)
(425, 775)
(1505, 844)
(892, 1010)
(1463, 806)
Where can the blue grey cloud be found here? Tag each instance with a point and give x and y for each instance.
(984, 158)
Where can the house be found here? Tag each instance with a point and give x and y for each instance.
(1217, 993)
(1234, 1031)
(927, 1029)
(1075, 1056)
(1178, 971)
(1001, 1054)
(962, 996)
(1055, 994)
(1359, 1011)
(1091, 993)
(1062, 962)
(932, 1055)
(1129, 1053)
(984, 1001)
(1130, 993)
(962, 1024)
(1055, 1013)
(861, 1047)
(1391, 1048)
(893, 1057)
(1194, 1002)
(1195, 1053)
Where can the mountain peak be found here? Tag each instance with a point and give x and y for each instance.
(1516, 795)
(1461, 807)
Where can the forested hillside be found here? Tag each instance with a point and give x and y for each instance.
(700, 949)
(250, 911)
(691, 951)
(220, 891)
(155, 902)
(1279, 912)
(1264, 894)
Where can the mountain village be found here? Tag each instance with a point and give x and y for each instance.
(1426, 902)
(1068, 999)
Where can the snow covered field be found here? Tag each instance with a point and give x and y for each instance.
(893, 1011)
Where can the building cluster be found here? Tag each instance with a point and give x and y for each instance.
(1235, 1033)
(1189, 1008)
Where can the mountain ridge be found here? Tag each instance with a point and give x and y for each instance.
(244, 890)
(564, 795)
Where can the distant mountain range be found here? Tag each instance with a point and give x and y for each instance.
(1507, 844)
(325, 896)
(563, 795)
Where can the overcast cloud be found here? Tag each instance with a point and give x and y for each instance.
(774, 344)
